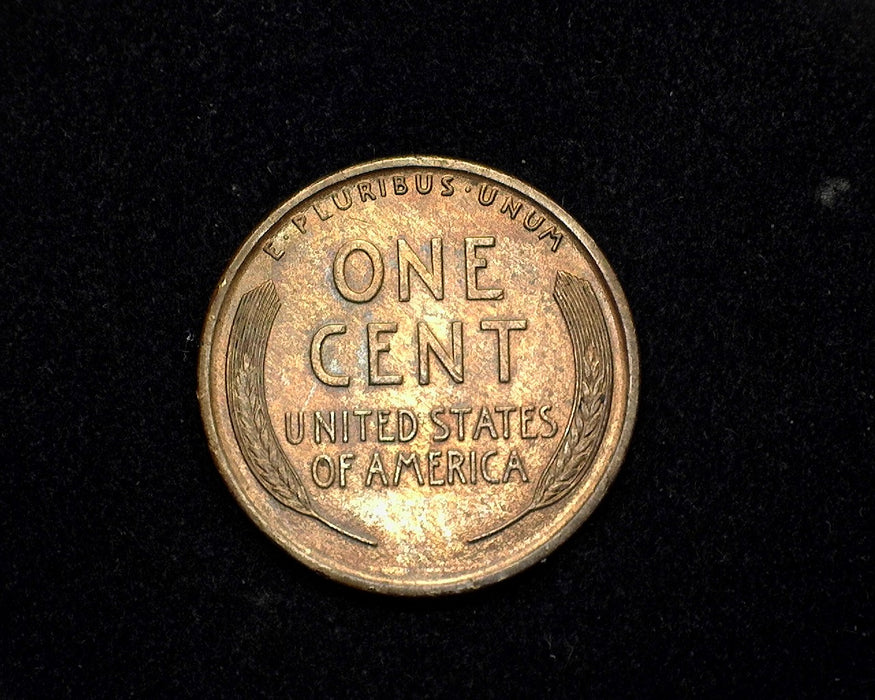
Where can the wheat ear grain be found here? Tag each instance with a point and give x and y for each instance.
(248, 408)
(590, 406)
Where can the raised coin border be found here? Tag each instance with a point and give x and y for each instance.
(456, 583)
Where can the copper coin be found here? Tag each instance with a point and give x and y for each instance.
(419, 375)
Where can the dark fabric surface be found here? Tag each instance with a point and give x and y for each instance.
(722, 159)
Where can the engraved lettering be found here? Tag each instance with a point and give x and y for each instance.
(433, 468)
(347, 199)
(473, 264)
(344, 465)
(423, 183)
(452, 361)
(295, 437)
(407, 425)
(399, 184)
(455, 460)
(502, 328)
(447, 188)
(553, 428)
(323, 216)
(484, 423)
(434, 463)
(526, 418)
(361, 414)
(339, 270)
(484, 468)
(401, 425)
(444, 428)
(318, 367)
(505, 412)
(460, 414)
(273, 250)
(411, 460)
(514, 463)
(555, 237)
(327, 464)
(382, 421)
(320, 425)
(433, 278)
(377, 347)
(376, 467)
(365, 191)
(531, 223)
(511, 207)
(486, 195)
(299, 220)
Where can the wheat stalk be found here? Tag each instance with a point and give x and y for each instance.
(248, 407)
(583, 435)
(260, 448)
(586, 425)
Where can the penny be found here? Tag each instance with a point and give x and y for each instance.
(419, 376)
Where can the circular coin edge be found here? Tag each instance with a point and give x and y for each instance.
(452, 584)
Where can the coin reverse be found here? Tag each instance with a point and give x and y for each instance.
(418, 375)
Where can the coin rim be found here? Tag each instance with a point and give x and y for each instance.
(456, 583)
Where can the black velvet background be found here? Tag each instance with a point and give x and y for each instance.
(721, 158)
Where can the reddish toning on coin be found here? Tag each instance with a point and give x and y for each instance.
(419, 376)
